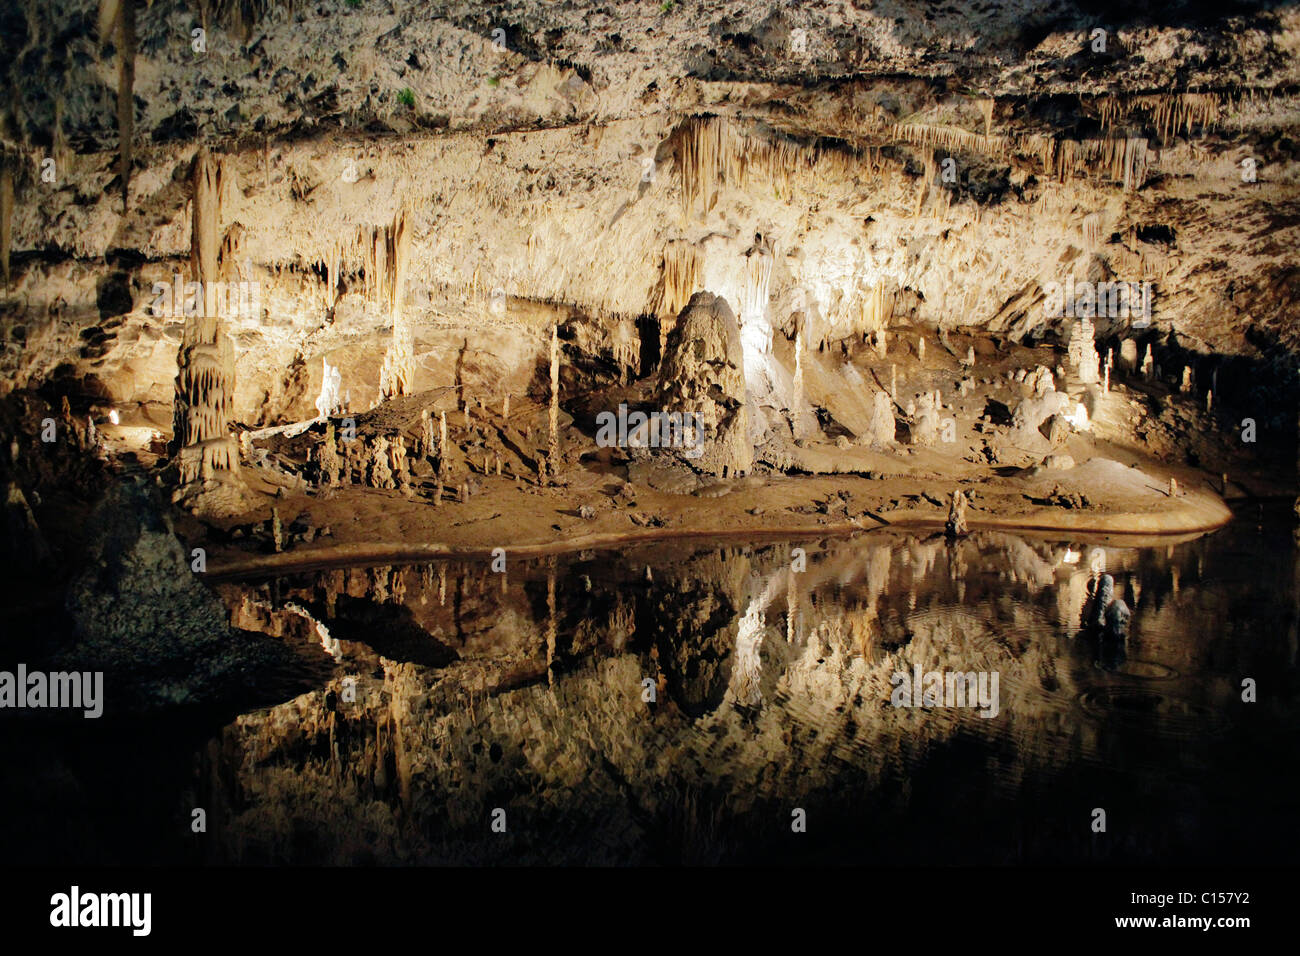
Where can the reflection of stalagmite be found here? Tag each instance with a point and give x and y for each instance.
(550, 621)
(746, 676)
(6, 216)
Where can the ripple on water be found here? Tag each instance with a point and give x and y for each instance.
(1143, 670)
(1151, 711)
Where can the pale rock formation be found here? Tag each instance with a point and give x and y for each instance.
(1082, 352)
(1128, 355)
(381, 473)
(400, 469)
(330, 462)
(208, 456)
(955, 527)
(883, 425)
(1042, 402)
(330, 400)
(703, 373)
(925, 427)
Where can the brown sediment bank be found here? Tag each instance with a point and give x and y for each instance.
(1100, 498)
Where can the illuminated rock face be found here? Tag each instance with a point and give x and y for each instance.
(703, 373)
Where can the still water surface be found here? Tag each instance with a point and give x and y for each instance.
(702, 702)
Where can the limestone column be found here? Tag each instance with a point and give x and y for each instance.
(205, 379)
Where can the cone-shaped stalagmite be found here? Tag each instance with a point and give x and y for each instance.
(205, 379)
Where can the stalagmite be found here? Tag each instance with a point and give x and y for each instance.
(397, 462)
(1128, 355)
(955, 526)
(882, 419)
(970, 355)
(277, 531)
(330, 399)
(205, 379)
(381, 474)
(329, 458)
(1173, 487)
(1209, 401)
(1186, 386)
(553, 456)
(442, 439)
(800, 426)
(925, 427)
(1148, 363)
(920, 349)
(505, 407)
(1083, 352)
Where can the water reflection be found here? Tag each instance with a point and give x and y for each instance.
(681, 715)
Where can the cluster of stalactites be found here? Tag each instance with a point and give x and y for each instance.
(391, 251)
(1169, 113)
(1121, 160)
(679, 279)
(710, 151)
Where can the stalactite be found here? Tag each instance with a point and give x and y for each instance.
(949, 138)
(392, 251)
(756, 283)
(710, 151)
(1092, 230)
(679, 279)
(125, 91)
(1123, 160)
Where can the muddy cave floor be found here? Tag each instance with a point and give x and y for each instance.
(1115, 481)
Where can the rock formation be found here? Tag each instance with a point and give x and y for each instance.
(703, 373)
(207, 454)
(955, 527)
